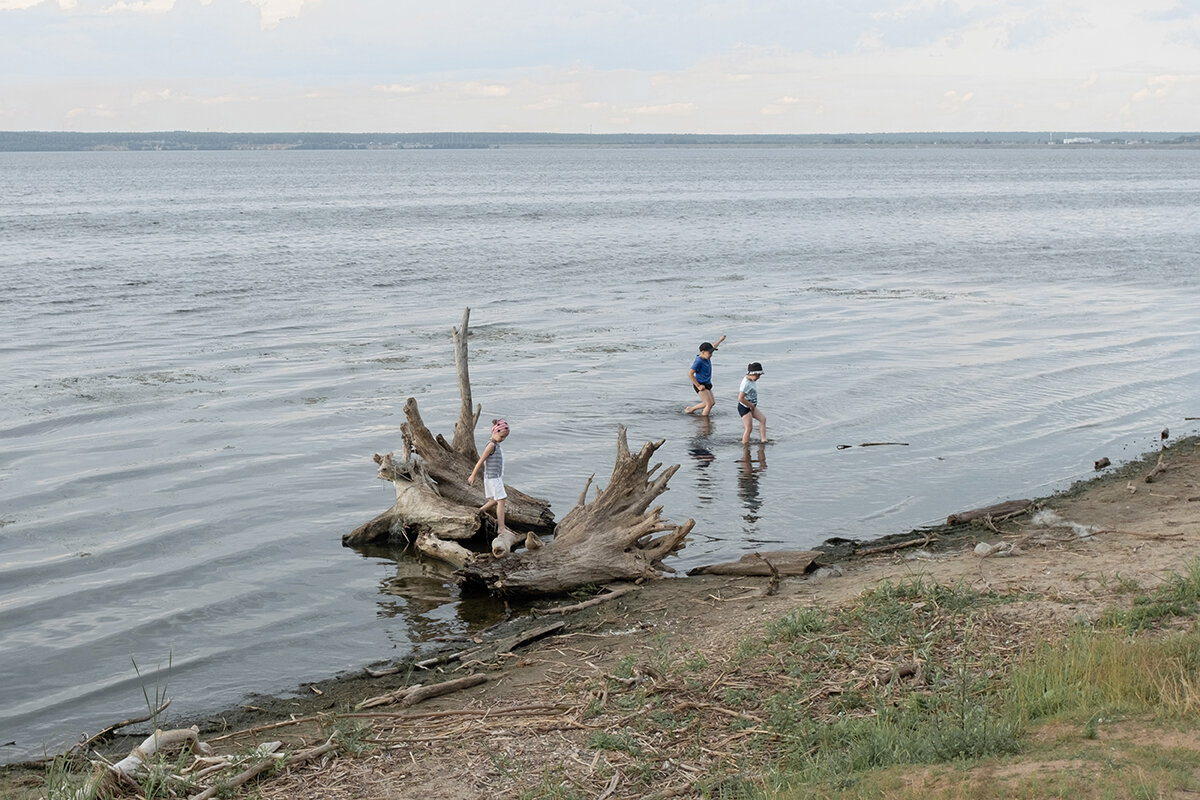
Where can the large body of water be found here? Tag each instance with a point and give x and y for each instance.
(202, 351)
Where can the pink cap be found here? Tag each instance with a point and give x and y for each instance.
(500, 425)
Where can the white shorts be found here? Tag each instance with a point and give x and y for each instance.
(493, 489)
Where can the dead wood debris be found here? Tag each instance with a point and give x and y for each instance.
(1158, 470)
(611, 594)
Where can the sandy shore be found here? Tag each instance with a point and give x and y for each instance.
(1065, 563)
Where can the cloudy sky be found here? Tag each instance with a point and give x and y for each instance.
(602, 66)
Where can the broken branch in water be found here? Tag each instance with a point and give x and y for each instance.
(871, 444)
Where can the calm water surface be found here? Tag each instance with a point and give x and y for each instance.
(201, 352)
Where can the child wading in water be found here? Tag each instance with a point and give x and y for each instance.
(700, 374)
(748, 403)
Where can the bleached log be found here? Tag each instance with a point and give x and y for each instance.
(614, 537)
(430, 478)
(124, 770)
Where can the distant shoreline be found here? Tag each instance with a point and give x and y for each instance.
(71, 141)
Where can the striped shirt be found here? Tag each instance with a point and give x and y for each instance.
(493, 465)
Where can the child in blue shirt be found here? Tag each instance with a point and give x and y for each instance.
(700, 374)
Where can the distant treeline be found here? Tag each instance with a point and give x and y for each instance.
(198, 140)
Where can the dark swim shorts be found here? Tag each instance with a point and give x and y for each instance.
(743, 410)
(702, 386)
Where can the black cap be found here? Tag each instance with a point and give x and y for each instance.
(706, 346)
(754, 368)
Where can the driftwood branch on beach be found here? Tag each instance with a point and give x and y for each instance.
(615, 536)
(996, 513)
(612, 538)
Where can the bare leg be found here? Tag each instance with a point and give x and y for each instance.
(500, 515)
(747, 426)
(762, 426)
(709, 401)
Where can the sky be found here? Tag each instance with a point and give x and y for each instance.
(600, 66)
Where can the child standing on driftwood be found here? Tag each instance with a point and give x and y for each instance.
(491, 461)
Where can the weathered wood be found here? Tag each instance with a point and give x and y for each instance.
(1159, 469)
(612, 594)
(434, 503)
(1009, 508)
(468, 418)
(894, 546)
(785, 562)
(490, 651)
(417, 693)
(611, 538)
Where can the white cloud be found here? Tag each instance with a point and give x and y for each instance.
(483, 89)
(17, 5)
(954, 102)
(275, 11)
(780, 106)
(666, 109)
(140, 6)
(396, 88)
(736, 66)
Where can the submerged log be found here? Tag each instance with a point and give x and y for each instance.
(613, 537)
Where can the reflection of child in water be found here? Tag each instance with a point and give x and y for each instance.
(748, 481)
(748, 403)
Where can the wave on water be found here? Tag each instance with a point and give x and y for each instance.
(194, 382)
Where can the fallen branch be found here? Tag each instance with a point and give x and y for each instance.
(773, 584)
(411, 695)
(1159, 469)
(267, 763)
(888, 548)
(489, 651)
(106, 732)
(1141, 535)
(612, 594)
(124, 770)
(998, 512)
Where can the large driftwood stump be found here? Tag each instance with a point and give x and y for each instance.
(611, 538)
(434, 505)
